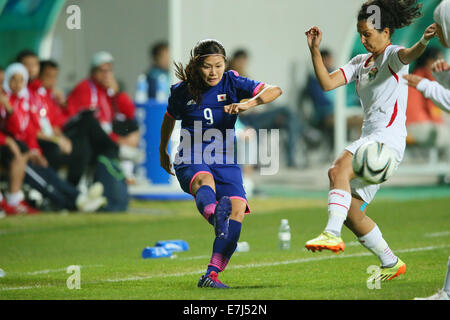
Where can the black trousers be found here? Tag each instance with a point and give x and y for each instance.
(89, 141)
(62, 194)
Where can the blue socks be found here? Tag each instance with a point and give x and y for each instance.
(223, 249)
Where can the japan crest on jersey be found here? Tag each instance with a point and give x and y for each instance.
(221, 97)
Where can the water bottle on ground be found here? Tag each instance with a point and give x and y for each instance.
(242, 247)
(156, 252)
(284, 235)
(173, 245)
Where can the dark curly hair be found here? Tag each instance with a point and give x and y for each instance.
(395, 14)
(191, 73)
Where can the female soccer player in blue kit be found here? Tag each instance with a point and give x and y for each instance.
(208, 101)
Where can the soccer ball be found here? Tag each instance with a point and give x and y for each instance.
(374, 162)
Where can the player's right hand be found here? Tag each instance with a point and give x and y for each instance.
(314, 37)
(165, 161)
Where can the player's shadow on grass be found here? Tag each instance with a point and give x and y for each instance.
(254, 287)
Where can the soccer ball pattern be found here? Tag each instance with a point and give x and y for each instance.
(374, 162)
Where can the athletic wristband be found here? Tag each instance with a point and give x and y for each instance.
(424, 41)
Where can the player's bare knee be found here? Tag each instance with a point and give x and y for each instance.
(203, 180)
(238, 210)
(333, 173)
(237, 214)
(337, 172)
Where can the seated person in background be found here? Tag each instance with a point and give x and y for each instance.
(49, 138)
(239, 62)
(13, 162)
(100, 94)
(56, 147)
(21, 122)
(70, 141)
(275, 118)
(96, 92)
(158, 74)
(424, 121)
(323, 102)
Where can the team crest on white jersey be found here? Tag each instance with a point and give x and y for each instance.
(373, 73)
(221, 97)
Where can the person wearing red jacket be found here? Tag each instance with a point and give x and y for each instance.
(56, 147)
(12, 157)
(66, 139)
(21, 122)
(113, 109)
(96, 93)
(14, 162)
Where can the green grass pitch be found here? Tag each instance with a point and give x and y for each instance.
(36, 250)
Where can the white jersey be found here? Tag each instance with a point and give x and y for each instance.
(384, 95)
(382, 91)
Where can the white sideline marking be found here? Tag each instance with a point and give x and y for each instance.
(251, 265)
(20, 288)
(58, 270)
(437, 234)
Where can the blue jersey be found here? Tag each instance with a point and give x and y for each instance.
(207, 134)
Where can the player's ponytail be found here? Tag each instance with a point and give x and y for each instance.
(191, 73)
(394, 14)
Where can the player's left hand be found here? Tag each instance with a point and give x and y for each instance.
(413, 80)
(430, 32)
(236, 108)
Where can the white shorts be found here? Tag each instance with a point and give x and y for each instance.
(361, 188)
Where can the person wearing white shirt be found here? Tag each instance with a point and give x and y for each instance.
(438, 91)
(383, 94)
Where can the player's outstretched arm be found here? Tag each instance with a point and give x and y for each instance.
(166, 131)
(266, 94)
(328, 81)
(408, 55)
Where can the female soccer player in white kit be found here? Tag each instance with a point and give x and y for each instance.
(383, 94)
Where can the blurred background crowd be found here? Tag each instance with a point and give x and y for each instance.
(76, 143)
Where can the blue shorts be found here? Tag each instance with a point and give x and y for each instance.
(227, 179)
